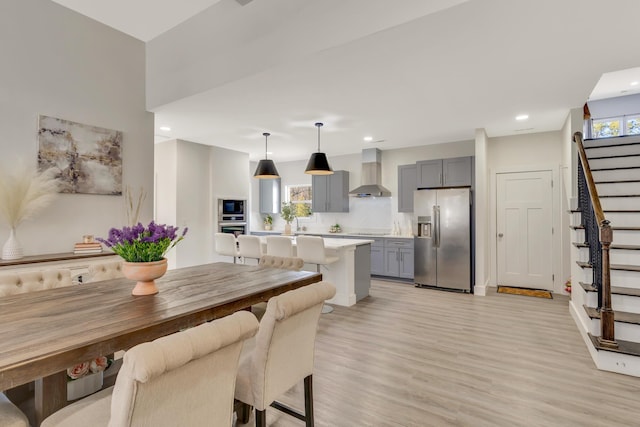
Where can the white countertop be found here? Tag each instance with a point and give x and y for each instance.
(347, 234)
(336, 244)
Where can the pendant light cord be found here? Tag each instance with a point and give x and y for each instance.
(318, 125)
(266, 136)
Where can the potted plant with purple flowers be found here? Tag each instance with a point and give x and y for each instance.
(143, 250)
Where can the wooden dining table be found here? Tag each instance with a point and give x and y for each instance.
(43, 333)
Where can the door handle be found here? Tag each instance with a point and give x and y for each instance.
(500, 235)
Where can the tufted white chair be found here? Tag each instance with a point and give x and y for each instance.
(20, 283)
(226, 245)
(281, 354)
(279, 246)
(105, 271)
(183, 379)
(250, 246)
(10, 415)
(285, 263)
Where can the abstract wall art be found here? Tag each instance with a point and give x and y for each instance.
(87, 158)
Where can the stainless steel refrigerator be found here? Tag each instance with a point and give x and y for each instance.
(443, 240)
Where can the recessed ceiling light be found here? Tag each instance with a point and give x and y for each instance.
(368, 138)
(269, 152)
(522, 117)
(165, 128)
(635, 83)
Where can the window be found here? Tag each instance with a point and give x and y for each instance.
(606, 128)
(300, 197)
(633, 125)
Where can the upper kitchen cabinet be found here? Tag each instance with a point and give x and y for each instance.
(407, 184)
(330, 193)
(270, 196)
(454, 172)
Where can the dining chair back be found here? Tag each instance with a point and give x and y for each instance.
(226, 245)
(250, 247)
(20, 283)
(10, 415)
(183, 379)
(282, 352)
(279, 246)
(105, 271)
(285, 263)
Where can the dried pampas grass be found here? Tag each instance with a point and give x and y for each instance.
(133, 205)
(25, 193)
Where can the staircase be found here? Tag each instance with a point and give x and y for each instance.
(615, 167)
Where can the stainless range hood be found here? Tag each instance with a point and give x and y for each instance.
(371, 176)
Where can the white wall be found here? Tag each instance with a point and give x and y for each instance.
(59, 63)
(190, 178)
(365, 214)
(611, 107)
(482, 249)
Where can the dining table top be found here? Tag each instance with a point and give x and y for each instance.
(44, 332)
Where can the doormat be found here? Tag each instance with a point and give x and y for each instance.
(539, 293)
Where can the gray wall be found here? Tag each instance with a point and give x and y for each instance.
(611, 107)
(59, 63)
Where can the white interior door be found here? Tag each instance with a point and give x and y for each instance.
(524, 227)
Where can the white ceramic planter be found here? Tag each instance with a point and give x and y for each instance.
(84, 386)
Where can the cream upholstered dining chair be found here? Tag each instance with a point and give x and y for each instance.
(279, 246)
(20, 283)
(285, 263)
(183, 379)
(10, 415)
(226, 245)
(281, 354)
(249, 247)
(105, 271)
(31, 281)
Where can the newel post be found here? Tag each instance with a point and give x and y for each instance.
(607, 336)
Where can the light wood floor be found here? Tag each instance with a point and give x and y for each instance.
(418, 357)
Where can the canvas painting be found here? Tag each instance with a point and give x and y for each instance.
(88, 158)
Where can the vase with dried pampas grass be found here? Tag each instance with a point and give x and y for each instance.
(22, 195)
(133, 204)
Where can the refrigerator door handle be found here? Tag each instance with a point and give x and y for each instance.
(436, 226)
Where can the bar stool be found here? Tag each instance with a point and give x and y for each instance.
(226, 245)
(249, 247)
(279, 246)
(311, 250)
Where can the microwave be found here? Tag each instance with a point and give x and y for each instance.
(231, 210)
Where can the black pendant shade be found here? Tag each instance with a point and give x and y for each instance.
(318, 163)
(266, 168)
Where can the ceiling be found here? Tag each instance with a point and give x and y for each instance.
(405, 73)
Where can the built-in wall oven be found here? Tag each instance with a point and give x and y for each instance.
(232, 216)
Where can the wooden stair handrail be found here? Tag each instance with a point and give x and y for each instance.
(593, 191)
(607, 320)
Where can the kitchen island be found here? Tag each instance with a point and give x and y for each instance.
(351, 274)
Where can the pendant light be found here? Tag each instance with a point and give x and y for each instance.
(266, 168)
(318, 163)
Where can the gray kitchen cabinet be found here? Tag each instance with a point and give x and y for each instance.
(330, 193)
(377, 257)
(270, 196)
(453, 172)
(398, 258)
(407, 184)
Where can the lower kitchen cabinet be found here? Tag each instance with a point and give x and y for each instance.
(393, 258)
(377, 257)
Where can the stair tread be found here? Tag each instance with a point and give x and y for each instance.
(619, 195)
(608, 142)
(617, 181)
(617, 290)
(619, 316)
(610, 211)
(613, 246)
(581, 227)
(614, 156)
(623, 267)
(624, 347)
(614, 169)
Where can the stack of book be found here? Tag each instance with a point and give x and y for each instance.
(87, 248)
